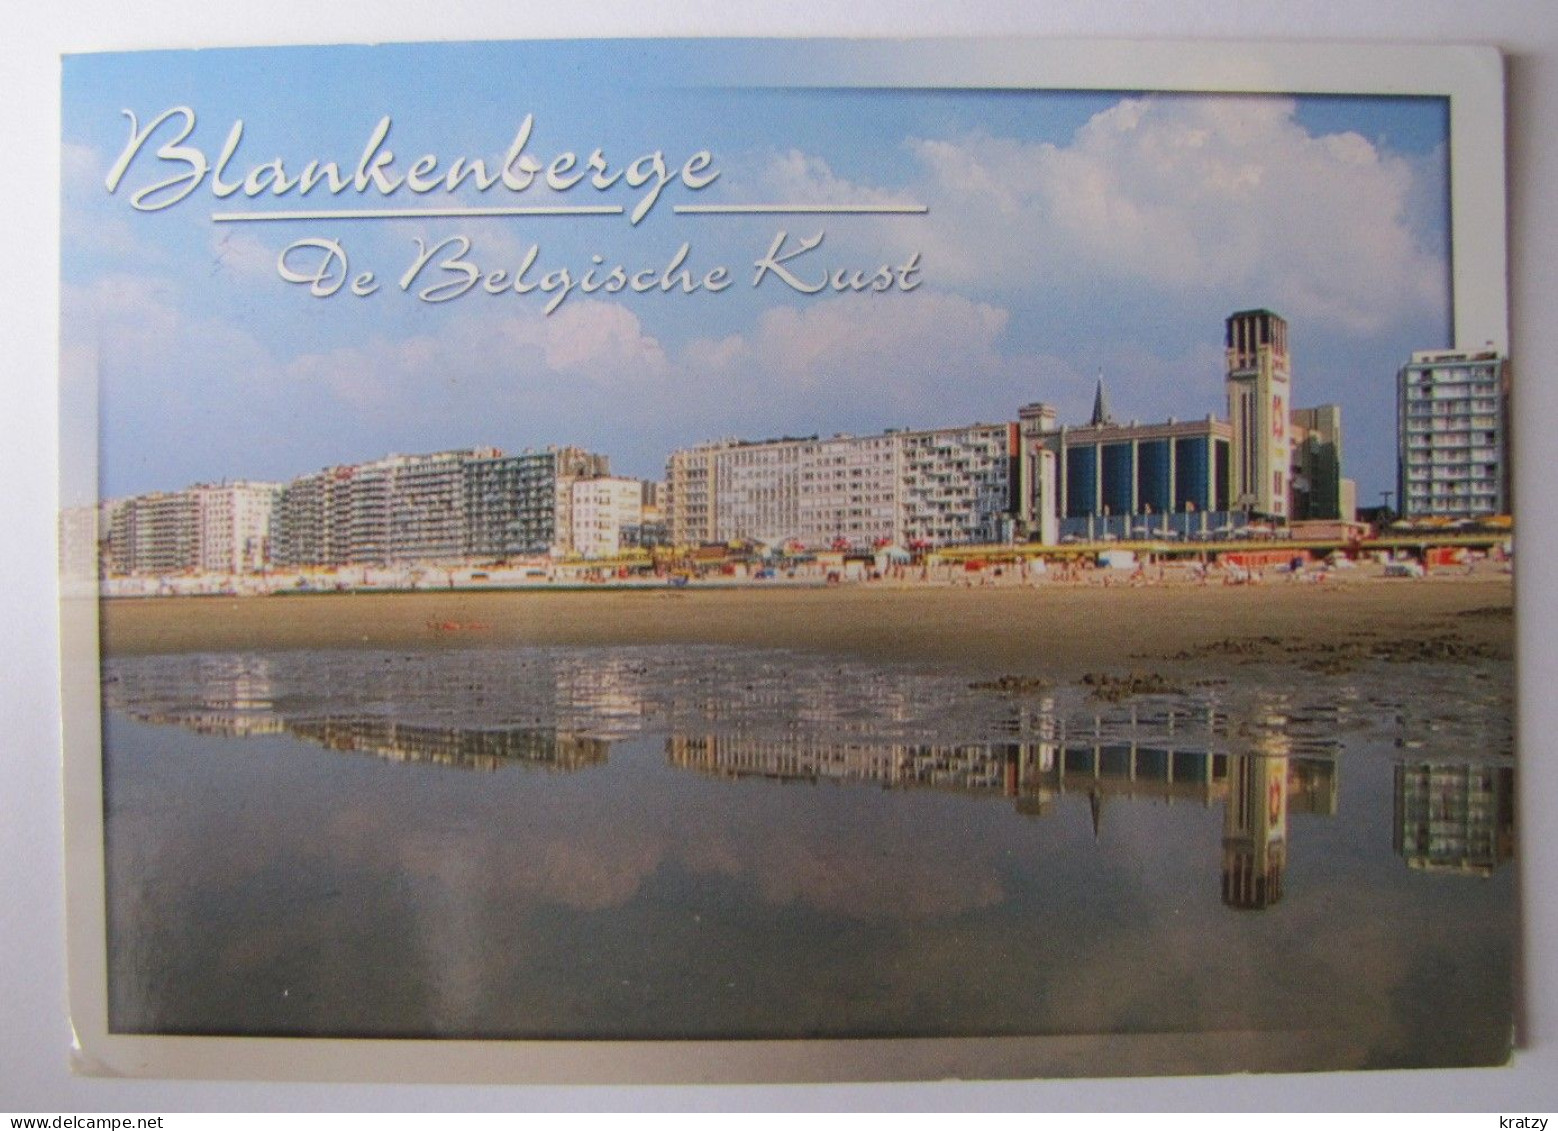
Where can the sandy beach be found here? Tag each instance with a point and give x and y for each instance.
(1051, 630)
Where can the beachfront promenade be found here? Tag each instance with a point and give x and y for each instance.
(1232, 561)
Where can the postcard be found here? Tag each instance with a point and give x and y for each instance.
(787, 560)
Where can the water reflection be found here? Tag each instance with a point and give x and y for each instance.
(786, 718)
(1455, 817)
(770, 844)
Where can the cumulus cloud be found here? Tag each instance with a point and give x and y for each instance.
(86, 226)
(243, 256)
(1215, 194)
(1121, 248)
(512, 376)
(601, 336)
(795, 177)
(141, 328)
(484, 363)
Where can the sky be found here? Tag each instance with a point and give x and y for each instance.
(1056, 235)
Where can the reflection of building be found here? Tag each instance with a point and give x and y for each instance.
(465, 747)
(1255, 820)
(1255, 832)
(473, 748)
(1455, 817)
(974, 767)
(240, 696)
(1452, 434)
(1255, 788)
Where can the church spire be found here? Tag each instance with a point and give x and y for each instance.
(1101, 413)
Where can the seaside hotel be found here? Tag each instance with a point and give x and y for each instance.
(1033, 479)
(914, 489)
(1452, 411)
(220, 528)
(447, 506)
(471, 504)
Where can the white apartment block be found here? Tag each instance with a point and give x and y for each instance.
(932, 488)
(957, 484)
(756, 492)
(207, 528)
(849, 491)
(234, 526)
(602, 508)
(1453, 434)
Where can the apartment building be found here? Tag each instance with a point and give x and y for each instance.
(603, 509)
(234, 526)
(1452, 409)
(931, 487)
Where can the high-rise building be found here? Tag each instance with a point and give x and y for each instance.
(651, 529)
(572, 464)
(523, 504)
(155, 533)
(689, 493)
(1452, 409)
(303, 530)
(603, 508)
(446, 506)
(234, 526)
(932, 487)
(1315, 473)
(1258, 377)
(396, 509)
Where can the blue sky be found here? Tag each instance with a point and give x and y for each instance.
(1065, 233)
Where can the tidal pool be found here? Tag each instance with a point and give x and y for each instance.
(667, 843)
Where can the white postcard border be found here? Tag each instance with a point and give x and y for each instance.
(1471, 78)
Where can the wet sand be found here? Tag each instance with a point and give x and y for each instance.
(1050, 630)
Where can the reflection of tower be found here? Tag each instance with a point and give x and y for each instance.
(1259, 383)
(1255, 831)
